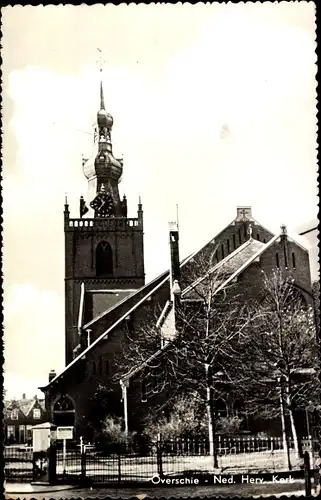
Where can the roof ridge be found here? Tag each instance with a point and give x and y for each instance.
(218, 264)
(248, 262)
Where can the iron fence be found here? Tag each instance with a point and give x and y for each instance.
(18, 463)
(120, 463)
(132, 463)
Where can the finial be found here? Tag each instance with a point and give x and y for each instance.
(139, 200)
(177, 215)
(100, 62)
(66, 200)
(284, 229)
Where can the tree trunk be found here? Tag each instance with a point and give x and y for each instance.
(293, 428)
(211, 426)
(283, 426)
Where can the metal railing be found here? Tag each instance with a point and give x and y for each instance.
(18, 463)
(127, 463)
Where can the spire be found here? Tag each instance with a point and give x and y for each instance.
(104, 119)
(102, 100)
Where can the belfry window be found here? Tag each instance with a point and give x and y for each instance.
(234, 241)
(293, 260)
(258, 237)
(228, 246)
(104, 259)
(222, 250)
(277, 260)
(240, 236)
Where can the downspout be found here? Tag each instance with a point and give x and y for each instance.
(124, 384)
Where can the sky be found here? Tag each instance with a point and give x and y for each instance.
(214, 106)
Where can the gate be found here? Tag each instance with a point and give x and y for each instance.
(18, 463)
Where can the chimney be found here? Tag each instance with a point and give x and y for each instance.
(175, 271)
(52, 375)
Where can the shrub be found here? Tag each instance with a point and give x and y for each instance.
(229, 425)
(112, 435)
(185, 419)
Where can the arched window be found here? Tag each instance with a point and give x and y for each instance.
(64, 412)
(234, 241)
(104, 259)
(228, 246)
(277, 260)
(240, 236)
(222, 250)
(221, 408)
(258, 237)
(293, 260)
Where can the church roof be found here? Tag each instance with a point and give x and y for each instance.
(225, 268)
(158, 282)
(99, 302)
(230, 267)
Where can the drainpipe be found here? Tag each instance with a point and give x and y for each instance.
(124, 385)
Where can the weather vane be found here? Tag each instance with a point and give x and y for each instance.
(101, 60)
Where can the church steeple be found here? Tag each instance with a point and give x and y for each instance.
(103, 170)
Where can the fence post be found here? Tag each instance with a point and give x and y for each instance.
(52, 464)
(307, 475)
(159, 457)
(83, 464)
(119, 463)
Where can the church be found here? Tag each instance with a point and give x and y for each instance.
(106, 295)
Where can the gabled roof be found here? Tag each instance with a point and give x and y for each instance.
(227, 266)
(24, 405)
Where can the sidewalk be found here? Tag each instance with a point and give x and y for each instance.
(15, 491)
(28, 489)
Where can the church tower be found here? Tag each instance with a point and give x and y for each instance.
(103, 247)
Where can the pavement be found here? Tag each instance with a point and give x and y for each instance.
(28, 491)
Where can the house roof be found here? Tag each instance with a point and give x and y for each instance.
(24, 405)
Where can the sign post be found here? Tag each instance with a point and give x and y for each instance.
(64, 433)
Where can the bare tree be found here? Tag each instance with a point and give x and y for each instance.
(278, 354)
(200, 357)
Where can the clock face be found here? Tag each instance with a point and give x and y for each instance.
(103, 205)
